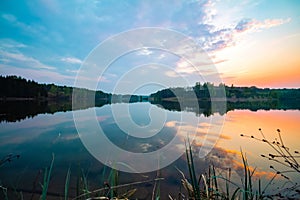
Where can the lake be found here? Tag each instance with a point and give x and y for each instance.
(36, 132)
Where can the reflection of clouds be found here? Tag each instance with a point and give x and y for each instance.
(65, 137)
(145, 147)
(102, 118)
(221, 158)
(205, 124)
(230, 159)
(172, 124)
(206, 131)
(231, 118)
(18, 137)
(40, 121)
(84, 118)
(225, 137)
(29, 129)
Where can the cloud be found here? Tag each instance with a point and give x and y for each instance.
(65, 32)
(39, 75)
(24, 61)
(30, 29)
(71, 60)
(183, 67)
(11, 44)
(144, 52)
(171, 74)
(220, 39)
(201, 25)
(9, 17)
(252, 25)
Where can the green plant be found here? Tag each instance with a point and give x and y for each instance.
(67, 184)
(46, 181)
(8, 158)
(285, 157)
(213, 185)
(4, 191)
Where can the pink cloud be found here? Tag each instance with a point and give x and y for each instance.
(253, 25)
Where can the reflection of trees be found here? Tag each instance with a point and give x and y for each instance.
(17, 110)
(205, 107)
(12, 111)
(264, 105)
(201, 108)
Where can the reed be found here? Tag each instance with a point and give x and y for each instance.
(67, 184)
(47, 175)
(284, 156)
(213, 184)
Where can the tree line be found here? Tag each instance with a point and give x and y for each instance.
(208, 91)
(18, 87)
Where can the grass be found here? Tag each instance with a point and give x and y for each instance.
(47, 176)
(9, 158)
(284, 157)
(67, 184)
(282, 153)
(212, 184)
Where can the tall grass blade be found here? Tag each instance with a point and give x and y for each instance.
(193, 177)
(245, 195)
(215, 179)
(4, 190)
(186, 183)
(259, 189)
(206, 186)
(128, 194)
(67, 183)
(85, 187)
(235, 194)
(46, 182)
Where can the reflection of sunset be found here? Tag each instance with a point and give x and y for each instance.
(248, 122)
(269, 121)
(227, 152)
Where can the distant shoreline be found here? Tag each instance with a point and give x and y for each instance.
(17, 99)
(171, 99)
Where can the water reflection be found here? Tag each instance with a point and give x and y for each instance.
(12, 111)
(35, 139)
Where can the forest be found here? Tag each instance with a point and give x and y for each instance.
(208, 91)
(50, 98)
(17, 87)
(14, 87)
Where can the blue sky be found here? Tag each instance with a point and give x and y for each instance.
(250, 42)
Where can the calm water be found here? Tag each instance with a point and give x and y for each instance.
(36, 137)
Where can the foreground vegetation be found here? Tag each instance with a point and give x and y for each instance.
(207, 186)
(211, 185)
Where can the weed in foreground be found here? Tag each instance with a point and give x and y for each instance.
(213, 185)
(283, 156)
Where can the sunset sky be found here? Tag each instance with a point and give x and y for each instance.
(250, 42)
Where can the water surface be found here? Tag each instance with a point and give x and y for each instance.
(42, 135)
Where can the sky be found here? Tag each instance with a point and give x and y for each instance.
(249, 42)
